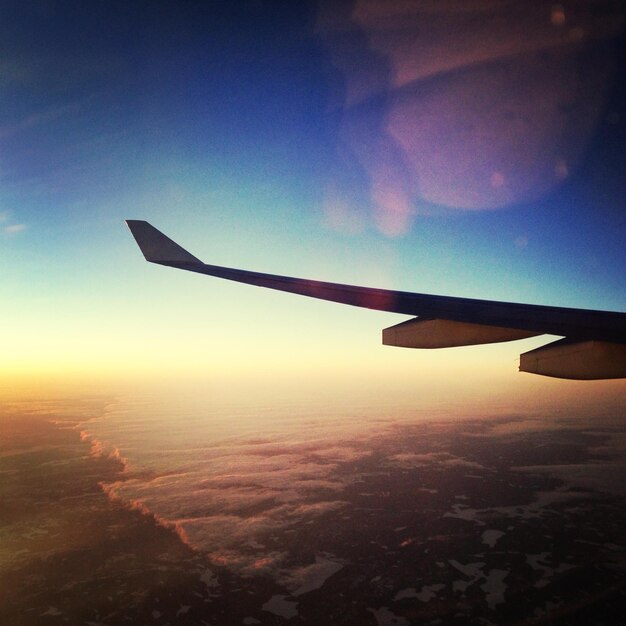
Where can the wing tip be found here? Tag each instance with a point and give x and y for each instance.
(157, 247)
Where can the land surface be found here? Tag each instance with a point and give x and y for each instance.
(515, 533)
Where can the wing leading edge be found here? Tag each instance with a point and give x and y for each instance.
(594, 345)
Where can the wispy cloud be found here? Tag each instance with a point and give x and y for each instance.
(36, 119)
(521, 242)
(8, 226)
(12, 71)
(12, 229)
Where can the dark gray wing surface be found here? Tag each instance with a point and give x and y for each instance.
(442, 321)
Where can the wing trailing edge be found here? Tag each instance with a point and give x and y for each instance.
(442, 321)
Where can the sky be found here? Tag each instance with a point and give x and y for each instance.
(461, 149)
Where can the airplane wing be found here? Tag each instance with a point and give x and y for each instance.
(593, 344)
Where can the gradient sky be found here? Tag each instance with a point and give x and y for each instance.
(402, 147)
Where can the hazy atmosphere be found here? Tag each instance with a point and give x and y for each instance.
(175, 448)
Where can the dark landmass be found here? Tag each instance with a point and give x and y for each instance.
(421, 539)
(70, 554)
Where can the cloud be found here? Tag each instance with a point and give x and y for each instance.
(521, 242)
(310, 577)
(411, 460)
(8, 226)
(11, 229)
(227, 514)
(13, 71)
(36, 119)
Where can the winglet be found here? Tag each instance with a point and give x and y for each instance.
(156, 247)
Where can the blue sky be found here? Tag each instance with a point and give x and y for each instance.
(289, 138)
